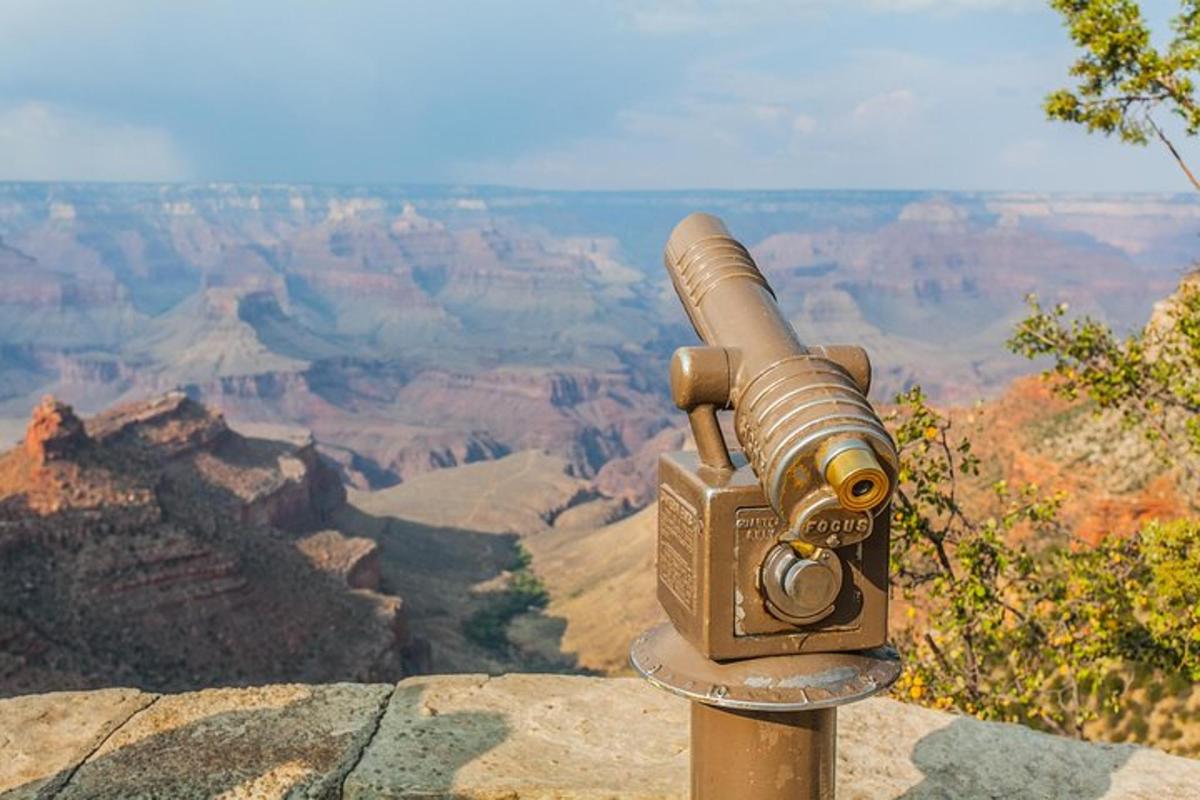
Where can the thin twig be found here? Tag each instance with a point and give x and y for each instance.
(1162, 137)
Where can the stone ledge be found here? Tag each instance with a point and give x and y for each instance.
(515, 737)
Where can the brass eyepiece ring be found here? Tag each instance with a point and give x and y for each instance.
(853, 471)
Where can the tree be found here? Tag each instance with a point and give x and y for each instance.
(1039, 629)
(1151, 378)
(977, 645)
(1049, 633)
(1123, 79)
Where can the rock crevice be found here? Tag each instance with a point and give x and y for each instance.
(58, 787)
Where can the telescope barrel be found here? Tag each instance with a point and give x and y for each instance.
(725, 296)
(800, 413)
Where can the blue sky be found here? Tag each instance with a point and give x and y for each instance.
(574, 94)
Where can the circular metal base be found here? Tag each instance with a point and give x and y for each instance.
(802, 682)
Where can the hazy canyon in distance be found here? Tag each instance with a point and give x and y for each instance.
(417, 328)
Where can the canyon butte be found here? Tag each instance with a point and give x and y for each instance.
(153, 545)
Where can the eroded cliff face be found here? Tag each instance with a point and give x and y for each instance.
(1113, 476)
(153, 546)
(54, 432)
(381, 420)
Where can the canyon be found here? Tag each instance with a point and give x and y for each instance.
(154, 545)
(303, 433)
(411, 329)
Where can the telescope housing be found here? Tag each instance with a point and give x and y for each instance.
(782, 548)
(772, 562)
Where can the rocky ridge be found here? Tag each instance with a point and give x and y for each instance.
(152, 545)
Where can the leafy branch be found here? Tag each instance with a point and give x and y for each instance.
(1122, 77)
(1152, 378)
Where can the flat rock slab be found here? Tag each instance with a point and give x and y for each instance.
(526, 736)
(892, 749)
(45, 737)
(278, 741)
(542, 737)
(517, 737)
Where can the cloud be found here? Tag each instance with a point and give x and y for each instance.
(42, 141)
(712, 16)
(703, 140)
(762, 128)
(594, 94)
(869, 118)
(913, 6)
(365, 91)
(887, 109)
(1024, 154)
(670, 17)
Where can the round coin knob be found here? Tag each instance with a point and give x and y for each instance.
(810, 584)
(801, 588)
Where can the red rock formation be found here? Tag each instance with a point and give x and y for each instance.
(54, 432)
(1112, 479)
(151, 546)
(355, 559)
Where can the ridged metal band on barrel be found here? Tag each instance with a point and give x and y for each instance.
(792, 407)
(714, 259)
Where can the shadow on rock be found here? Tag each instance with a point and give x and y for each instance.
(969, 758)
(420, 750)
(311, 747)
(467, 593)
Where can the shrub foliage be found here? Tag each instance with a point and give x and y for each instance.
(1014, 619)
(1011, 618)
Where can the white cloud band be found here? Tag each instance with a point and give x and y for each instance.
(43, 141)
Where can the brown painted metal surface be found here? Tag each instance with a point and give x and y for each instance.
(762, 728)
(776, 683)
(773, 561)
(741, 755)
(715, 531)
(790, 402)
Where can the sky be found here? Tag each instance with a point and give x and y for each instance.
(555, 94)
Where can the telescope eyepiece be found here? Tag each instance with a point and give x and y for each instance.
(855, 474)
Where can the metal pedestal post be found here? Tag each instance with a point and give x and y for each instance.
(762, 755)
(762, 728)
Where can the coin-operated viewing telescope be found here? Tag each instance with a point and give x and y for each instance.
(772, 562)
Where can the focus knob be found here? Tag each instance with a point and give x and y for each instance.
(801, 587)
